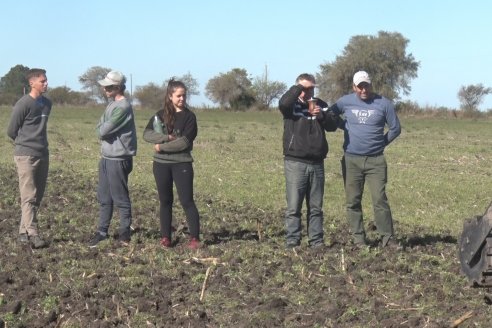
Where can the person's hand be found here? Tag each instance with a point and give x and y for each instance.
(315, 111)
(307, 89)
(171, 137)
(156, 148)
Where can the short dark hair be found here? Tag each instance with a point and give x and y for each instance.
(307, 77)
(35, 72)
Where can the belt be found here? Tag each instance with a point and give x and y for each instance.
(368, 155)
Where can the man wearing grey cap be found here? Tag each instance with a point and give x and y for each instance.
(117, 133)
(366, 116)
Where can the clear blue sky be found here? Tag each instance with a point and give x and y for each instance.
(154, 40)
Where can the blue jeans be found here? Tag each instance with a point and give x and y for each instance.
(307, 181)
(113, 191)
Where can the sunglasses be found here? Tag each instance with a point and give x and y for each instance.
(110, 88)
(363, 85)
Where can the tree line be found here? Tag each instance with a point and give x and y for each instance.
(383, 56)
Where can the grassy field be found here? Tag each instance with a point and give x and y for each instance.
(439, 174)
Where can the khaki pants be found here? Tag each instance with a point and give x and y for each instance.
(33, 173)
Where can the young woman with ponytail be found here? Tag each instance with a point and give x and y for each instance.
(172, 130)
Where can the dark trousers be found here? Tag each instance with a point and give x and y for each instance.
(182, 176)
(112, 192)
(356, 171)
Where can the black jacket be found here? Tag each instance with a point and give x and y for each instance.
(304, 135)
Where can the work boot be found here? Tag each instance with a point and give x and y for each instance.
(23, 238)
(360, 242)
(360, 246)
(37, 242)
(389, 242)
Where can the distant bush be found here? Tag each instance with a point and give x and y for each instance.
(411, 108)
(407, 108)
(7, 98)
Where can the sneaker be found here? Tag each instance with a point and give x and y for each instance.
(291, 246)
(96, 239)
(23, 239)
(37, 242)
(194, 243)
(166, 242)
(317, 245)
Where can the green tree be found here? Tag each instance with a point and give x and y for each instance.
(471, 96)
(267, 91)
(231, 89)
(150, 96)
(14, 85)
(383, 56)
(89, 82)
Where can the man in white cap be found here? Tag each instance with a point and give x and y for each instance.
(366, 116)
(117, 133)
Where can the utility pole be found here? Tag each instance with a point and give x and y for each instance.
(131, 89)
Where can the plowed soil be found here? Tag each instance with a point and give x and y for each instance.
(242, 277)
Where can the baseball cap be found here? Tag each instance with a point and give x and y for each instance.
(360, 77)
(113, 78)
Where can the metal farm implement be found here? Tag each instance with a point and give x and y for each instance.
(475, 249)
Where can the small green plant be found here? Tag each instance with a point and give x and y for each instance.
(49, 303)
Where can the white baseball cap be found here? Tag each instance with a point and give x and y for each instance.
(361, 76)
(113, 78)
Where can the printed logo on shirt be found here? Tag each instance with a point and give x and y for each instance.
(363, 114)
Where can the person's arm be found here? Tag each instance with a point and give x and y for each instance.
(289, 98)
(330, 121)
(118, 119)
(152, 136)
(334, 114)
(174, 146)
(19, 114)
(184, 140)
(335, 108)
(394, 127)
